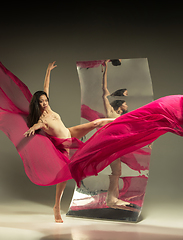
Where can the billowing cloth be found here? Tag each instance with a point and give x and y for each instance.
(45, 158)
(138, 160)
(45, 161)
(90, 114)
(126, 134)
(90, 64)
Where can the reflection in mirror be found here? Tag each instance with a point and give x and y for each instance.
(109, 89)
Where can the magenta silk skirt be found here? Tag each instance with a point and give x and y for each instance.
(44, 157)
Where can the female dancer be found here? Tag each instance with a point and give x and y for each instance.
(42, 117)
(126, 134)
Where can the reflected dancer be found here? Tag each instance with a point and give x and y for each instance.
(114, 109)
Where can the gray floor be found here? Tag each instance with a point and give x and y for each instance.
(30, 220)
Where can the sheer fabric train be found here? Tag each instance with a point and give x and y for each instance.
(127, 134)
(44, 158)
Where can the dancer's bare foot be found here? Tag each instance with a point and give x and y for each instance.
(119, 204)
(57, 215)
(112, 201)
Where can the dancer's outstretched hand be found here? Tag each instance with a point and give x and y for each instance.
(52, 65)
(30, 132)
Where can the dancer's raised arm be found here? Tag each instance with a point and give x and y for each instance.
(47, 77)
(39, 104)
(108, 108)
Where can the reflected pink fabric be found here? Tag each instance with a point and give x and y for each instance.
(138, 160)
(90, 64)
(127, 134)
(90, 114)
(45, 161)
(132, 192)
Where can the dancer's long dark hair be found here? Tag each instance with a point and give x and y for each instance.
(34, 108)
(119, 92)
(115, 62)
(117, 103)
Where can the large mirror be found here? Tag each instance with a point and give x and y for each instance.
(110, 88)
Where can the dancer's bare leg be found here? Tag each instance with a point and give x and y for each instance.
(59, 192)
(81, 130)
(113, 190)
(77, 132)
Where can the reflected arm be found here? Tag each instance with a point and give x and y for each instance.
(104, 81)
(108, 108)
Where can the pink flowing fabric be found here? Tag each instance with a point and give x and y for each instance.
(90, 114)
(127, 134)
(90, 64)
(138, 160)
(44, 157)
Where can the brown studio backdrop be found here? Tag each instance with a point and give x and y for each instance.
(29, 51)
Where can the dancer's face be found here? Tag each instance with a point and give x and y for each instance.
(125, 93)
(122, 109)
(43, 102)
